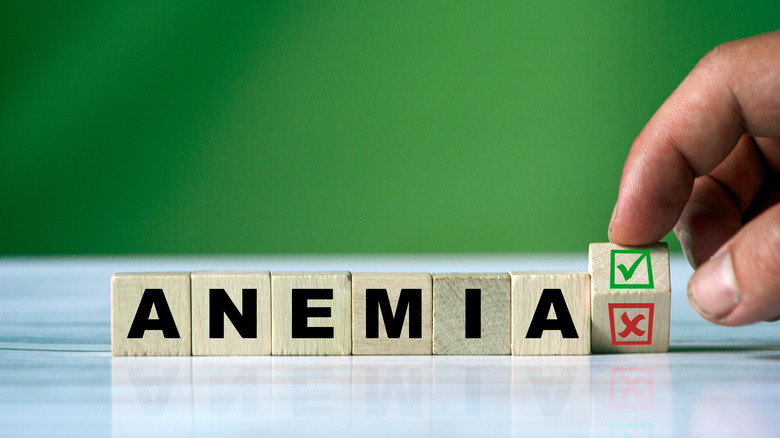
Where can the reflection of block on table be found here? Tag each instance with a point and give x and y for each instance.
(391, 313)
(471, 313)
(150, 314)
(312, 313)
(630, 298)
(550, 313)
(231, 313)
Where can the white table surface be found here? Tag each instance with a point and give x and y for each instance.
(57, 376)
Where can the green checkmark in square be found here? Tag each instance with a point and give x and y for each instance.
(626, 269)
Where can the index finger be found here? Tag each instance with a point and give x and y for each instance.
(732, 91)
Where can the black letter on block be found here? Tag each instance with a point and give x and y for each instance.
(301, 312)
(220, 305)
(563, 322)
(377, 299)
(473, 313)
(142, 321)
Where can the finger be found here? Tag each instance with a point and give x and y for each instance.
(734, 90)
(741, 283)
(713, 213)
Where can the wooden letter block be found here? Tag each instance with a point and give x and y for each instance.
(630, 298)
(312, 313)
(150, 314)
(550, 313)
(231, 313)
(471, 314)
(391, 313)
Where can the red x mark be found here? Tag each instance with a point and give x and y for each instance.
(623, 327)
(631, 387)
(631, 325)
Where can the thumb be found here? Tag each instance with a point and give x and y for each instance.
(740, 284)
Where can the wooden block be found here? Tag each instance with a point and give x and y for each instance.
(550, 313)
(231, 313)
(391, 313)
(311, 313)
(471, 314)
(630, 298)
(150, 314)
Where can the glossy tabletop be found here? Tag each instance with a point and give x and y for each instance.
(57, 375)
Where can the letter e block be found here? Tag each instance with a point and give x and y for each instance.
(471, 314)
(550, 313)
(631, 298)
(231, 313)
(392, 313)
(150, 314)
(311, 313)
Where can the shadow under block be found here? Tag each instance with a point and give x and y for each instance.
(231, 313)
(471, 314)
(550, 313)
(631, 298)
(311, 313)
(391, 313)
(150, 314)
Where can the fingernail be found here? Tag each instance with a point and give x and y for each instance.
(686, 241)
(713, 290)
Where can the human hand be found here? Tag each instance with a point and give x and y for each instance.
(707, 164)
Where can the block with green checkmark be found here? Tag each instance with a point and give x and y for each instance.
(630, 298)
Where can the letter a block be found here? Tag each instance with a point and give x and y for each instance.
(391, 313)
(630, 298)
(231, 313)
(550, 313)
(312, 313)
(471, 313)
(150, 314)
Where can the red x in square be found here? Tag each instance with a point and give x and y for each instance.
(631, 323)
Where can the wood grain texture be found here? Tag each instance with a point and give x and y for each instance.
(232, 343)
(393, 283)
(630, 309)
(126, 292)
(282, 285)
(449, 313)
(527, 289)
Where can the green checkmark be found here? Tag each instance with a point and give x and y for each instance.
(628, 273)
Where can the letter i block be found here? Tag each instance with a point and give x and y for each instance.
(391, 313)
(311, 313)
(231, 313)
(550, 313)
(150, 314)
(630, 298)
(471, 314)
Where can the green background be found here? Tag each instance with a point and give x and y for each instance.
(328, 127)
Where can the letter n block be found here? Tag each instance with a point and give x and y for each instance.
(311, 313)
(630, 298)
(471, 313)
(392, 313)
(150, 314)
(550, 313)
(231, 313)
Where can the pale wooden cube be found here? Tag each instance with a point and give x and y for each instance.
(250, 333)
(379, 325)
(150, 314)
(550, 313)
(471, 313)
(311, 313)
(630, 298)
